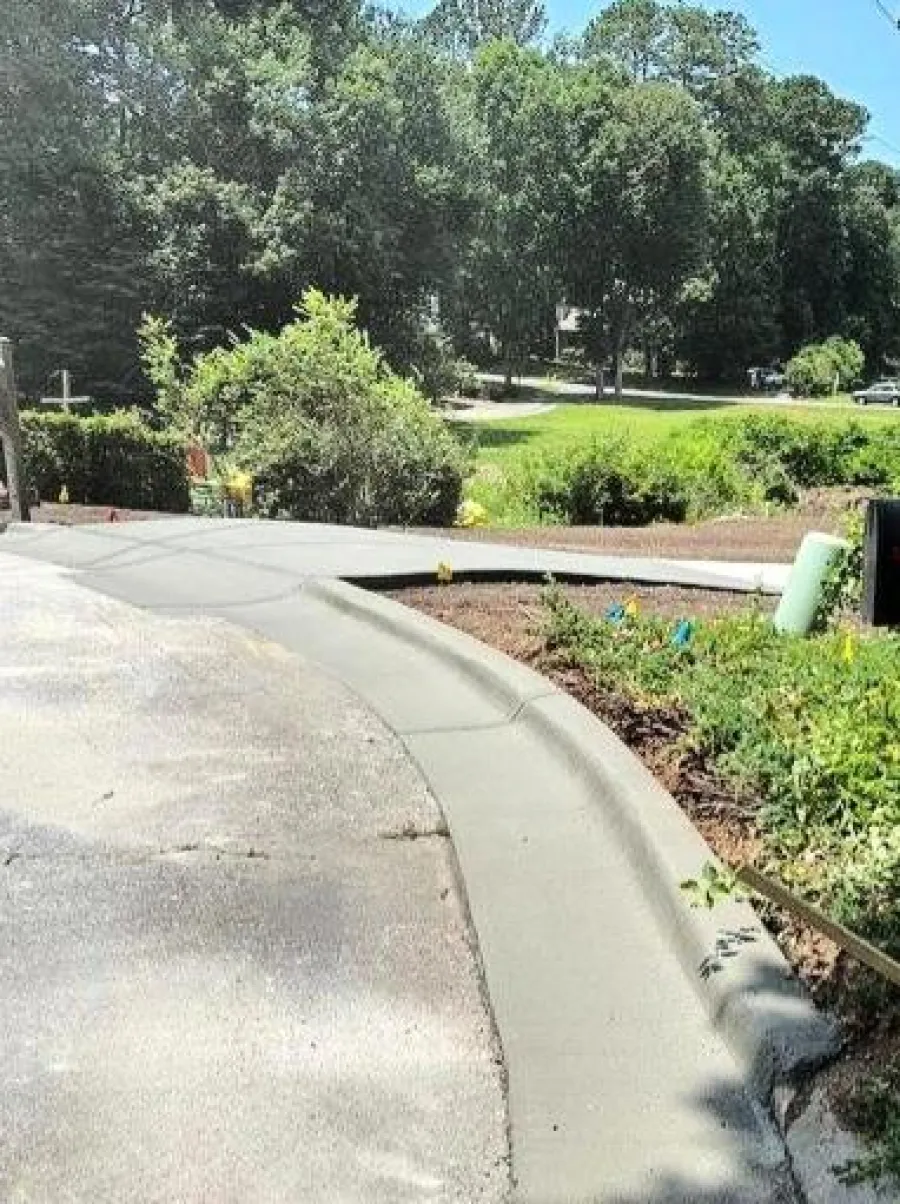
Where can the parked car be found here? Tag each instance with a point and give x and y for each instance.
(883, 392)
(766, 378)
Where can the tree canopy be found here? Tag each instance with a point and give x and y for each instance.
(208, 161)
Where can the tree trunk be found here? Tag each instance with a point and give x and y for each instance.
(598, 380)
(621, 342)
(11, 435)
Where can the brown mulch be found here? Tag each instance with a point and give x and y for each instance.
(774, 539)
(508, 617)
(74, 516)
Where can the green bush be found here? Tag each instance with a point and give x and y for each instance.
(785, 455)
(711, 467)
(808, 726)
(105, 460)
(820, 369)
(323, 426)
(611, 485)
(439, 372)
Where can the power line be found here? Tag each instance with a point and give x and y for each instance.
(884, 142)
(887, 14)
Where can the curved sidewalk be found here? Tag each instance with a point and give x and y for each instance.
(298, 551)
(640, 1038)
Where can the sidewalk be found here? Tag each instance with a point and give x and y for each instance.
(294, 552)
(604, 986)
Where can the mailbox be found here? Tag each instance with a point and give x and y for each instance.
(881, 571)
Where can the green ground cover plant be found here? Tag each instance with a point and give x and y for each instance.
(805, 733)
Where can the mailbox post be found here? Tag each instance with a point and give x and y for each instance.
(881, 570)
(11, 435)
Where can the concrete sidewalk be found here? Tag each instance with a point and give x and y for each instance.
(283, 553)
(235, 965)
(621, 1088)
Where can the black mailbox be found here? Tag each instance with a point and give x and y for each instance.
(881, 573)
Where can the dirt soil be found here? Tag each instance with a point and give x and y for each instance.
(773, 539)
(73, 516)
(509, 618)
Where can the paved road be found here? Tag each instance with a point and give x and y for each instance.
(619, 1089)
(497, 411)
(573, 389)
(235, 965)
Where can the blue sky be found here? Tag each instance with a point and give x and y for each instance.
(849, 43)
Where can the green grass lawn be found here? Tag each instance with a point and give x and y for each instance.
(504, 445)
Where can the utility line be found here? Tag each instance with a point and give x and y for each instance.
(884, 142)
(887, 14)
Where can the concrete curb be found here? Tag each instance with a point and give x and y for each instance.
(741, 977)
(745, 983)
(506, 682)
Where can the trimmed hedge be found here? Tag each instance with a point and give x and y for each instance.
(105, 460)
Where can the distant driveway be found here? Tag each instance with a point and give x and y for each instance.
(486, 411)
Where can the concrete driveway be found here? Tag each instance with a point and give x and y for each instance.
(238, 967)
(235, 963)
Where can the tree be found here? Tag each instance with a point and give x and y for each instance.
(464, 26)
(68, 253)
(871, 218)
(683, 44)
(639, 210)
(728, 313)
(512, 273)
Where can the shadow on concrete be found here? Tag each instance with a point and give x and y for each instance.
(758, 1169)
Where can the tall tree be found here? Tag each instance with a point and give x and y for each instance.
(639, 210)
(630, 34)
(463, 26)
(68, 254)
(513, 270)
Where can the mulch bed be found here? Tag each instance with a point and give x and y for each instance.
(774, 539)
(509, 618)
(74, 516)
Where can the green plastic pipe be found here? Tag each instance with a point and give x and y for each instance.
(797, 610)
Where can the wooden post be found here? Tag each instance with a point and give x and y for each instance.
(11, 435)
(863, 951)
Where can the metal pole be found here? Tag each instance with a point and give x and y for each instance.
(11, 433)
(66, 389)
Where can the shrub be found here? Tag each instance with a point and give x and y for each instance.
(709, 467)
(325, 429)
(808, 726)
(439, 372)
(823, 368)
(105, 460)
(785, 455)
(612, 485)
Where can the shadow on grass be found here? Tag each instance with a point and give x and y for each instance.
(488, 436)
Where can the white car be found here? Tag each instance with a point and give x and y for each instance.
(883, 392)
